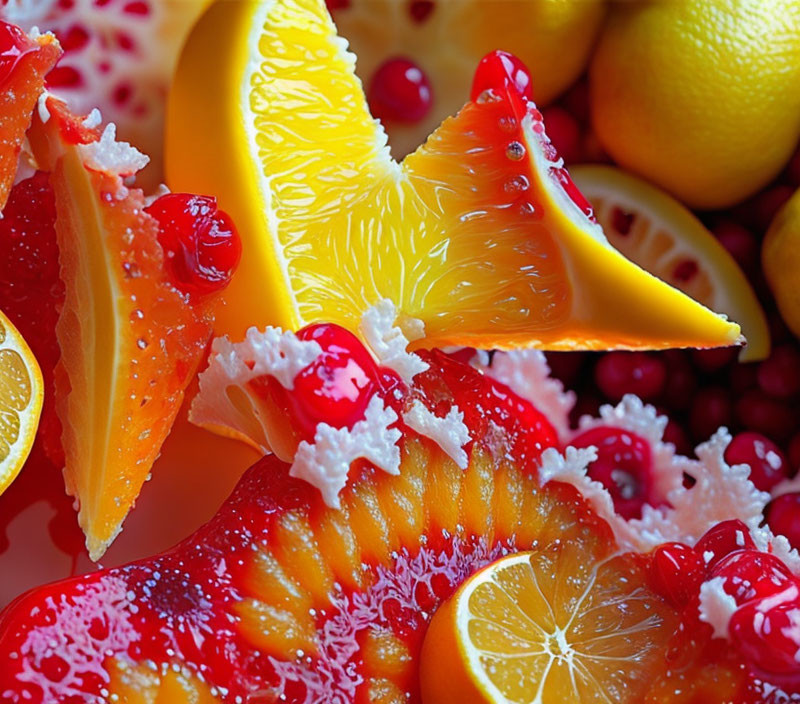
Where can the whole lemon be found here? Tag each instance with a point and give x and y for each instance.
(702, 97)
(780, 258)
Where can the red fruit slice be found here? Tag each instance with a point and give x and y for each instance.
(129, 340)
(24, 62)
(281, 598)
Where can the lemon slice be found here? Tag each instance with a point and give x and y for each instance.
(480, 233)
(21, 395)
(662, 236)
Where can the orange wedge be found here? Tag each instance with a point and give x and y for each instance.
(664, 237)
(561, 625)
(479, 233)
(21, 395)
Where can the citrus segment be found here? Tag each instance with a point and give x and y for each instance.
(479, 233)
(662, 236)
(566, 623)
(780, 256)
(129, 341)
(21, 395)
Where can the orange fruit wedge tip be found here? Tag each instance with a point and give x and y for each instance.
(130, 343)
(660, 234)
(479, 233)
(25, 62)
(561, 624)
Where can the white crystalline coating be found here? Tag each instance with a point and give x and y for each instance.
(389, 343)
(326, 462)
(527, 374)
(777, 545)
(93, 119)
(643, 420)
(111, 156)
(225, 400)
(450, 433)
(716, 606)
(41, 107)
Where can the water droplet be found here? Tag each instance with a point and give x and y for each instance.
(516, 184)
(528, 209)
(508, 123)
(141, 343)
(515, 151)
(137, 314)
(131, 270)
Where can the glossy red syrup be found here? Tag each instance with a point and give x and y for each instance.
(750, 574)
(723, 539)
(14, 44)
(400, 91)
(677, 572)
(500, 72)
(201, 245)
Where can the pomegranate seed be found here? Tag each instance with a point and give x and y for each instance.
(794, 454)
(723, 539)
(681, 381)
(712, 360)
(64, 77)
(779, 375)
(623, 466)
(677, 572)
(751, 574)
(564, 133)
(200, 242)
(783, 517)
(767, 463)
(710, 409)
(75, 38)
(741, 244)
(765, 633)
(620, 373)
(675, 434)
(400, 91)
(757, 411)
(501, 71)
(767, 204)
(420, 10)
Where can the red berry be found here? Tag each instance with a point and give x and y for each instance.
(338, 385)
(623, 466)
(14, 44)
(620, 373)
(713, 360)
(500, 71)
(783, 517)
(757, 411)
(779, 374)
(201, 245)
(564, 133)
(711, 408)
(767, 463)
(742, 244)
(681, 381)
(400, 92)
(751, 574)
(675, 434)
(723, 539)
(794, 454)
(677, 572)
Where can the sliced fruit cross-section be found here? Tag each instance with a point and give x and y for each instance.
(480, 233)
(661, 235)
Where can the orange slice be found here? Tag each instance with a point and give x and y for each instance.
(129, 341)
(21, 395)
(551, 626)
(662, 236)
(478, 233)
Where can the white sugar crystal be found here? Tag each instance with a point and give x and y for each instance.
(111, 156)
(450, 433)
(93, 119)
(716, 606)
(41, 107)
(326, 462)
(389, 343)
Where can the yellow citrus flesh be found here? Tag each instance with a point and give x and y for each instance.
(562, 625)
(665, 238)
(21, 395)
(331, 224)
(692, 94)
(552, 37)
(780, 256)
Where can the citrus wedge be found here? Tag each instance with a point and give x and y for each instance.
(561, 625)
(21, 395)
(662, 236)
(480, 233)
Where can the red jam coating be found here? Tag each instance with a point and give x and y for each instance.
(14, 44)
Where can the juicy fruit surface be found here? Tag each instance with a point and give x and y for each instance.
(445, 40)
(282, 596)
(781, 258)
(129, 342)
(23, 66)
(659, 234)
(479, 233)
(119, 56)
(21, 393)
(663, 104)
(566, 623)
